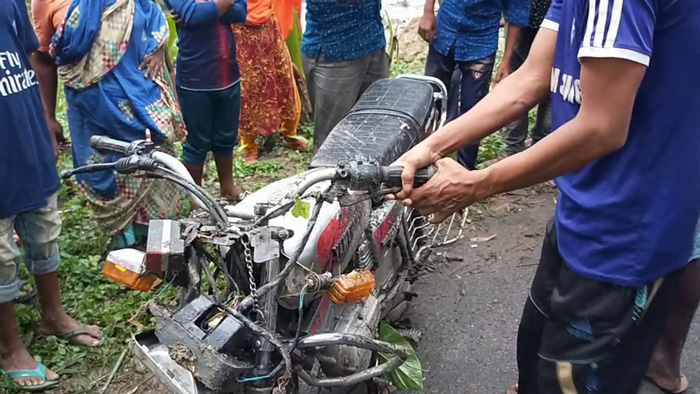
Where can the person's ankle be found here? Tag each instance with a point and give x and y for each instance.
(13, 351)
(55, 319)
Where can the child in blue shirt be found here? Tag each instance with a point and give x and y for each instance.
(208, 85)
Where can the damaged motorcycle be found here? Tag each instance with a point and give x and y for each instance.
(288, 287)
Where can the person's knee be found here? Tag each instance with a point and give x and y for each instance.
(9, 255)
(39, 231)
(194, 152)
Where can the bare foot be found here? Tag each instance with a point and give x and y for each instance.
(670, 384)
(295, 143)
(21, 359)
(234, 193)
(65, 324)
(512, 389)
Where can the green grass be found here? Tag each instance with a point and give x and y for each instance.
(91, 298)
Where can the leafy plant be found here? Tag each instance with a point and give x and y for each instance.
(409, 375)
(301, 208)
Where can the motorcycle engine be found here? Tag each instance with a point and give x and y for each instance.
(359, 318)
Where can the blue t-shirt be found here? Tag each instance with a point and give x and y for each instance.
(206, 59)
(28, 173)
(471, 26)
(343, 30)
(629, 217)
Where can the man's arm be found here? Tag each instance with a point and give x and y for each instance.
(428, 25)
(194, 13)
(508, 101)
(236, 14)
(601, 127)
(512, 35)
(45, 69)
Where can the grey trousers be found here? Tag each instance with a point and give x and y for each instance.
(517, 131)
(334, 87)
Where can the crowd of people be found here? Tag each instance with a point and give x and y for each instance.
(615, 261)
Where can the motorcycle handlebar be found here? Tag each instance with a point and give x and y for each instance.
(370, 175)
(104, 144)
(391, 176)
(125, 165)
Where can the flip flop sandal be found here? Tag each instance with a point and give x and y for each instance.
(664, 389)
(69, 336)
(27, 294)
(38, 372)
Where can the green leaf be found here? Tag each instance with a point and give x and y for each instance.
(301, 208)
(409, 375)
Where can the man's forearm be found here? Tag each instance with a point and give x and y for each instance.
(429, 7)
(510, 99)
(572, 146)
(48, 82)
(512, 35)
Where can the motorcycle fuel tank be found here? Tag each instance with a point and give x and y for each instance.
(337, 233)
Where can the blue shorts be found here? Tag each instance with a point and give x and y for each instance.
(212, 122)
(38, 230)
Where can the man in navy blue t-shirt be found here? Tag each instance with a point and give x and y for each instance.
(465, 36)
(625, 152)
(343, 53)
(28, 203)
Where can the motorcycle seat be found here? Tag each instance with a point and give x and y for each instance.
(389, 119)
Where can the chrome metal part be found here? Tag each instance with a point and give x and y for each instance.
(322, 340)
(444, 232)
(156, 358)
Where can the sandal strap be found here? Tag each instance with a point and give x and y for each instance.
(84, 329)
(38, 372)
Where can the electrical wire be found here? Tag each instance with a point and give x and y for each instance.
(294, 343)
(301, 317)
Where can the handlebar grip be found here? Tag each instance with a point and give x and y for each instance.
(392, 176)
(109, 145)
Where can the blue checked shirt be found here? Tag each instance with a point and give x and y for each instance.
(340, 30)
(471, 26)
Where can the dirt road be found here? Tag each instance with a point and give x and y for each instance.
(469, 309)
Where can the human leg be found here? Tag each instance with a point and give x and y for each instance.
(227, 104)
(198, 112)
(378, 69)
(13, 354)
(251, 44)
(665, 366)
(39, 231)
(591, 328)
(288, 99)
(543, 123)
(517, 131)
(442, 67)
(453, 94)
(336, 87)
(476, 78)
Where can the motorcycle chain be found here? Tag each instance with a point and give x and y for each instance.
(248, 256)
